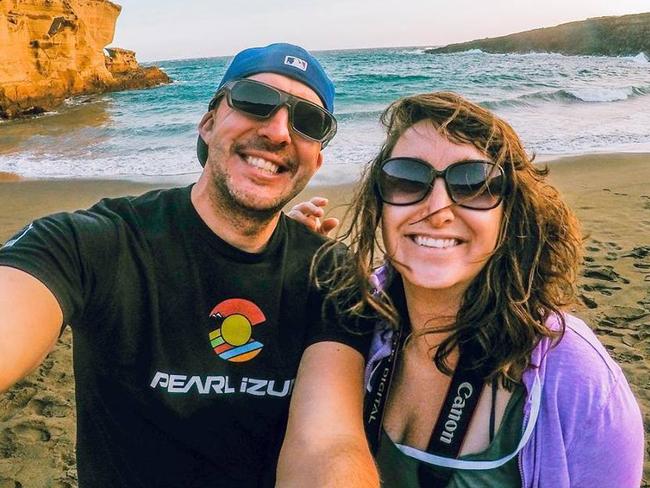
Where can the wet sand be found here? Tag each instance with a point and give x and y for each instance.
(610, 193)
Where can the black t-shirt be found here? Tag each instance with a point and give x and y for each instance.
(185, 348)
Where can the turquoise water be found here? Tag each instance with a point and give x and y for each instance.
(558, 104)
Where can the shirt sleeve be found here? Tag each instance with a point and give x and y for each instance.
(57, 251)
(330, 325)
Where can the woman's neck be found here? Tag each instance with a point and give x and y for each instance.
(429, 308)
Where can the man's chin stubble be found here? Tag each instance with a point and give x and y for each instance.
(241, 209)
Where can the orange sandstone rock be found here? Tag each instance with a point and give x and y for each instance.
(53, 49)
(9, 177)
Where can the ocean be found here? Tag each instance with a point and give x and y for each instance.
(559, 104)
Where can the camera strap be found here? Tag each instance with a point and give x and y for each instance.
(457, 410)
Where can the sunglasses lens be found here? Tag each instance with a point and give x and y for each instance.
(254, 98)
(311, 120)
(260, 100)
(477, 185)
(472, 184)
(404, 181)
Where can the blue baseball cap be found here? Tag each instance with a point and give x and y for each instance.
(283, 59)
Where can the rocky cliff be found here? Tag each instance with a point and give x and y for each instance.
(605, 36)
(53, 49)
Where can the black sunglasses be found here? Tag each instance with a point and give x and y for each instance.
(478, 185)
(261, 101)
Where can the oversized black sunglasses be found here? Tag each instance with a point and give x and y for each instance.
(478, 185)
(261, 101)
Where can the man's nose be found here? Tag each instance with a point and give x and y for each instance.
(276, 127)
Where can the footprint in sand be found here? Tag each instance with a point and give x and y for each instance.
(63, 484)
(588, 301)
(46, 367)
(626, 314)
(626, 357)
(9, 483)
(32, 432)
(604, 273)
(49, 406)
(645, 302)
(14, 437)
(638, 252)
(628, 340)
(605, 324)
(599, 286)
(7, 444)
(614, 245)
(19, 397)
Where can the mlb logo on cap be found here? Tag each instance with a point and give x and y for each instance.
(296, 62)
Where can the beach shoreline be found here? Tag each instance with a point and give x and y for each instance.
(610, 192)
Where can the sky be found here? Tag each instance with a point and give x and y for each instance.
(176, 29)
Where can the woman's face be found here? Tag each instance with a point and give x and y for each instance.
(435, 244)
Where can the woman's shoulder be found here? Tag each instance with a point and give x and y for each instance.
(587, 406)
(578, 369)
(578, 351)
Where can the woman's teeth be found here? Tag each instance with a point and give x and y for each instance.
(435, 243)
(262, 164)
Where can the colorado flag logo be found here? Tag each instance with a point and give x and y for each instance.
(232, 340)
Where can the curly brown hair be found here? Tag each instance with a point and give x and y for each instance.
(530, 275)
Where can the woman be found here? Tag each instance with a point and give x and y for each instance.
(476, 377)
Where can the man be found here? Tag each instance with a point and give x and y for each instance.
(194, 318)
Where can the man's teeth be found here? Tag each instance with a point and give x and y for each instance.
(436, 243)
(262, 164)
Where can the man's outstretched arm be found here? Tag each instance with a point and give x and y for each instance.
(325, 445)
(30, 323)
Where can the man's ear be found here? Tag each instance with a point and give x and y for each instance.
(206, 124)
(320, 160)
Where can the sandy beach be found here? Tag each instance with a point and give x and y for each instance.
(609, 192)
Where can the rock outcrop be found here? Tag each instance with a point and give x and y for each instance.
(53, 49)
(626, 35)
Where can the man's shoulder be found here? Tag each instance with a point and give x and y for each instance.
(148, 202)
(302, 236)
(131, 211)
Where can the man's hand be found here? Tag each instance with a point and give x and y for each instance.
(310, 214)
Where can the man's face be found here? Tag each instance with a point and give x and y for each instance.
(259, 165)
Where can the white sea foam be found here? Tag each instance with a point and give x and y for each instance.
(421, 50)
(641, 58)
(472, 51)
(601, 94)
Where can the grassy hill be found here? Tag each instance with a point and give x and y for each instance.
(605, 36)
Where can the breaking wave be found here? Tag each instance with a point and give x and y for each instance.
(574, 95)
